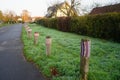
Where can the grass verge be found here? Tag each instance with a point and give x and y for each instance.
(65, 55)
(1, 25)
(4, 25)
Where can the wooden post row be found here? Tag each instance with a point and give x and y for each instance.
(85, 54)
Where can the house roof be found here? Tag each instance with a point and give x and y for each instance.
(106, 9)
(55, 7)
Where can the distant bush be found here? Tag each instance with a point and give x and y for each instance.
(105, 26)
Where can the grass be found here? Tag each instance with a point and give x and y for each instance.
(65, 55)
(4, 24)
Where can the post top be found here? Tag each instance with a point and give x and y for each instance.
(36, 32)
(48, 37)
(85, 40)
(29, 29)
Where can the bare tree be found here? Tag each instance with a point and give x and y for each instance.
(25, 16)
(86, 9)
(9, 16)
(74, 5)
(1, 15)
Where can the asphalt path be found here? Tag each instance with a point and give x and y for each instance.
(13, 65)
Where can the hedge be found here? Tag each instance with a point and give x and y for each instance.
(105, 26)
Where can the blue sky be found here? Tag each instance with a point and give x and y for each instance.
(39, 7)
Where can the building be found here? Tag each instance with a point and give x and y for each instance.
(106, 9)
(60, 10)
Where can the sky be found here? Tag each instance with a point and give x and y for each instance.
(39, 7)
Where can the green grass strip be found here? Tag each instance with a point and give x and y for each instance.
(65, 55)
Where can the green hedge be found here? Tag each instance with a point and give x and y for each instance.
(105, 26)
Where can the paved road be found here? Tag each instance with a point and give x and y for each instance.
(13, 65)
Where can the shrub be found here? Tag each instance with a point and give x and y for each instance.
(105, 26)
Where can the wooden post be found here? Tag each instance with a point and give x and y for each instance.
(85, 54)
(29, 33)
(25, 25)
(27, 28)
(48, 45)
(36, 35)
